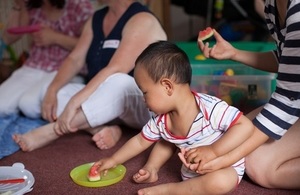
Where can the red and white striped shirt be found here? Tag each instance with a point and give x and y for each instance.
(213, 120)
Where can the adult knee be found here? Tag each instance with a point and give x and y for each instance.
(28, 106)
(7, 108)
(124, 88)
(123, 81)
(259, 174)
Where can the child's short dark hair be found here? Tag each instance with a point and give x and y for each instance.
(165, 59)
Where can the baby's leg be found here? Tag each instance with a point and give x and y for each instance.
(36, 138)
(219, 182)
(161, 152)
(106, 137)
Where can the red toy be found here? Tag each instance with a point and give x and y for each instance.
(24, 29)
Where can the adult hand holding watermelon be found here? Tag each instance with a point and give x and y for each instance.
(221, 50)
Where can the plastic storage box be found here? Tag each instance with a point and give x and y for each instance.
(239, 85)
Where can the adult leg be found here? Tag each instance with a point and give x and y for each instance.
(36, 138)
(116, 98)
(44, 135)
(31, 101)
(221, 181)
(125, 102)
(12, 89)
(276, 164)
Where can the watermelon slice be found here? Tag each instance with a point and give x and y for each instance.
(205, 34)
(94, 174)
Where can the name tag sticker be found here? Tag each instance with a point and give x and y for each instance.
(111, 44)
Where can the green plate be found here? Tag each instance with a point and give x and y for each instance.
(114, 175)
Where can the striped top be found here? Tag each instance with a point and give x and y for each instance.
(213, 120)
(283, 109)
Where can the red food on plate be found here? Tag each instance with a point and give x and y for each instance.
(17, 180)
(24, 29)
(205, 34)
(94, 174)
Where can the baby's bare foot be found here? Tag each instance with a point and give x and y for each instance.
(107, 137)
(146, 175)
(36, 138)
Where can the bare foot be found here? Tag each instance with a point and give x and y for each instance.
(36, 138)
(145, 175)
(107, 137)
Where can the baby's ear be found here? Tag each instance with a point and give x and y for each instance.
(168, 85)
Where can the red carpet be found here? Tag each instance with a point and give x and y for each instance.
(52, 164)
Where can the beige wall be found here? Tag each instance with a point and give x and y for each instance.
(161, 8)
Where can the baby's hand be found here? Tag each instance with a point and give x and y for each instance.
(182, 156)
(199, 156)
(105, 164)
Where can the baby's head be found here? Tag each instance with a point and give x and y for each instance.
(164, 59)
(163, 73)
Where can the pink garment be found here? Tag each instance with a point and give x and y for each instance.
(76, 13)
